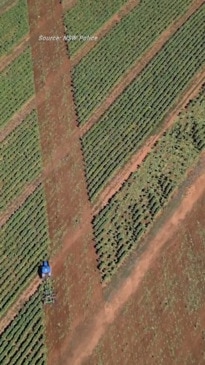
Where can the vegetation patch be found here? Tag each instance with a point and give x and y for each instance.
(132, 211)
(13, 26)
(17, 85)
(142, 107)
(24, 243)
(23, 341)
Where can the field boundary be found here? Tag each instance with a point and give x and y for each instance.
(138, 67)
(135, 161)
(103, 30)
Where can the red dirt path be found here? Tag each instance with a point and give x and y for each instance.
(85, 339)
(65, 188)
(115, 184)
(103, 30)
(138, 66)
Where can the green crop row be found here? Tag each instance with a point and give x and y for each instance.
(13, 26)
(132, 211)
(119, 49)
(143, 105)
(21, 158)
(24, 243)
(87, 16)
(17, 85)
(23, 342)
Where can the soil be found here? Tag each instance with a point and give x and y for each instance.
(86, 338)
(68, 4)
(103, 30)
(113, 186)
(138, 66)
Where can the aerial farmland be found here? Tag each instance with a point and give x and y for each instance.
(102, 177)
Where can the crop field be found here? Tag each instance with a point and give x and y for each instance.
(24, 243)
(132, 211)
(17, 85)
(102, 67)
(143, 105)
(23, 341)
(101, 173)
(13, 26)
(163, 323)
(21, 158)
(86, 17)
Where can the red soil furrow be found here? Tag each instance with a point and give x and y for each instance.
(10, 4)
(19, 303)
(18, 117)
(19, 48)
(86, 338)
(136, 160)
(103, 30)
(138, 67)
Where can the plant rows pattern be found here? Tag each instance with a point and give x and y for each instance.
(23, 341)
(21, 158)
(24, 243)
(143, 105)
(87, 16)
(17, 85)
(119, 49)
(132, 211)
(13, 26)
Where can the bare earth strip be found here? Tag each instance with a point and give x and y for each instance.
(19, 48)
(18, 117)
(102, 31)
(24, 297)
(116, 183)
(86, 340)
(139, 65)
